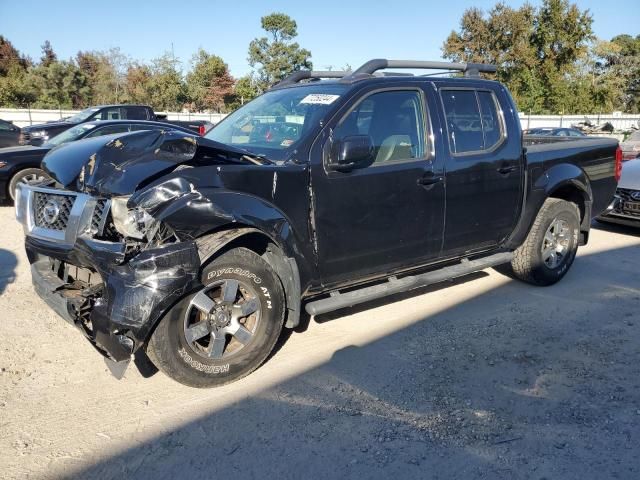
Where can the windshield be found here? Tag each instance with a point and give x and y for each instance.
(70, 135)
(272, 124)
(82, 116)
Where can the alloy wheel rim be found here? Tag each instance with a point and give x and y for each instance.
(555, 244)
(221, 319)
(32, 178)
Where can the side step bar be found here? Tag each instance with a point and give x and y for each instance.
(395, 285)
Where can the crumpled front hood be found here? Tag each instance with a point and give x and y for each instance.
(118, 164)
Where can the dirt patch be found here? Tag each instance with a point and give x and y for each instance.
(489, 378)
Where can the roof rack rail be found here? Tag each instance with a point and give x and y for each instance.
(469, 69)
(300, 75)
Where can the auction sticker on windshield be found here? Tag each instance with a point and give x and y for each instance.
(320, 99)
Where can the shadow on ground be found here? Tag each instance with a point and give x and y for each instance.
(8, 263)
(520, 382)
(616, 228)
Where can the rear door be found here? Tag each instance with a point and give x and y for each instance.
(389, 214)
(483, 170)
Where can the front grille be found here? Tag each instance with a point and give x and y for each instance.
(625, 194)
(52, 210)
(629, 205)
(100, 214)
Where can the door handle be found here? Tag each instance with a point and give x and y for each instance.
(506, 170)
(429, 180)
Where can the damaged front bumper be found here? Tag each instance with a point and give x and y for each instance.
(113, 295)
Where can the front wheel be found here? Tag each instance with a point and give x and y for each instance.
(26, 176)
(550, 248)
(227, 329)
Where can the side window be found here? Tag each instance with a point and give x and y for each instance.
(473, 122)
(491, 121)
(108, 130)
(135, 113)
(463, 120)
(113, 113)
(6, 126)
(394, 121)
(145, 127)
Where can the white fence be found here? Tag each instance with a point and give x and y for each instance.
(24, 117)
(619, 121)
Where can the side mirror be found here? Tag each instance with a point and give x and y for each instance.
(355, 151)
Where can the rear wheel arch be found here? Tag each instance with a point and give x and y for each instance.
(580, 195)
(574, 194)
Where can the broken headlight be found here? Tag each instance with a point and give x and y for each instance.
(132, 222)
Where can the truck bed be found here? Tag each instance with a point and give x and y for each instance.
(595, 156)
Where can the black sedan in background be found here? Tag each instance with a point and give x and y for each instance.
(555, 132)
(9, 134)
(22, 164)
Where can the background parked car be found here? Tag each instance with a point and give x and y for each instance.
(22, 164)
(41, 133)
(625, 208)
(631, 146)
(9, 134)
(555, 132)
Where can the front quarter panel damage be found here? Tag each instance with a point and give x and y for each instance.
(140, 291)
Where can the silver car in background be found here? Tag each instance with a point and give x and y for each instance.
(631, 147)
(625, 208)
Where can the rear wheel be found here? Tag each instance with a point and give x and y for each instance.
(227, 329)
(550, 248)
(26, 176)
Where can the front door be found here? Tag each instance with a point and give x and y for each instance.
(389, 214)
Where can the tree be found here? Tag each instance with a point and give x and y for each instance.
(105, 72)
(561, 37)
(537, 50)
(59, 85)
(278, 56)
(15, 89)
(209, 84)
(245, 89)
(48, 55)
(626, 65)
(10, 57)
(166, 86)
(137, 86)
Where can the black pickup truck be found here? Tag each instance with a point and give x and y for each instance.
(319, 193)
(41, 133)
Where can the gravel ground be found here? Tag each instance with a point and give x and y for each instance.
(489, 378)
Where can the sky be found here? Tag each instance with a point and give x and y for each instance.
(337, 33)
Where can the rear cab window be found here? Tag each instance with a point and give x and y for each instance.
(474, 121)
(110, 113)
(136, 113)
